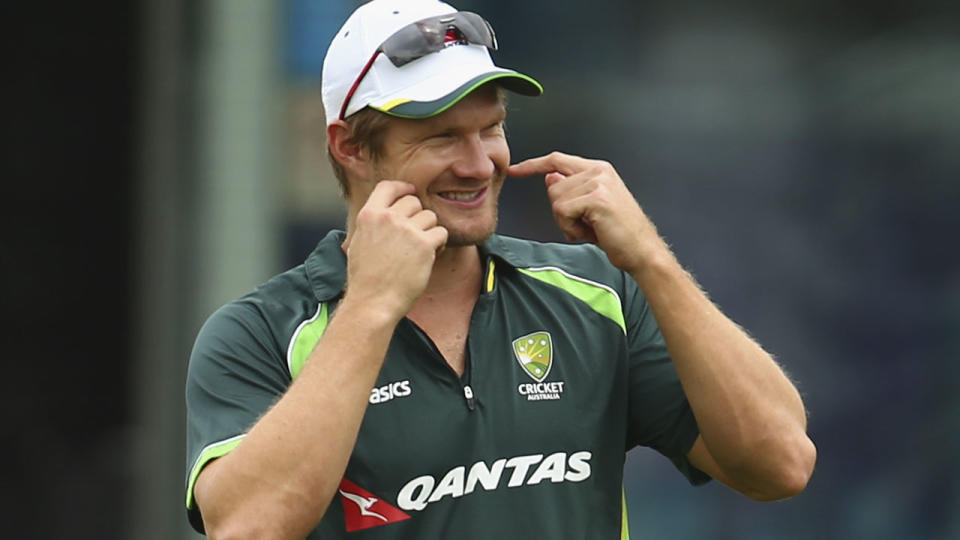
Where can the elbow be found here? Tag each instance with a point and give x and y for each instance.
(236, 521)
(253, 515)
(240, 528)
(790, 473)
(228, 531)
(253, 519)
(231, 527)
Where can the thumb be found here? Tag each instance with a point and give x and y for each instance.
(552, 178)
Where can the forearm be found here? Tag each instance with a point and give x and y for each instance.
(751, 417)
(287, 469)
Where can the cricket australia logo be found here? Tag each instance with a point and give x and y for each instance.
(534, 353)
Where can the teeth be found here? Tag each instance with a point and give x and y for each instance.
(460, 195)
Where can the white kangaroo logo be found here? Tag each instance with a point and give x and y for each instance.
(364, 503)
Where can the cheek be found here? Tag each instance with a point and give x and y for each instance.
(499, 153)
(412, 169)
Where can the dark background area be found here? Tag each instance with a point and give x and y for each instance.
(803, 158)
(70, 83)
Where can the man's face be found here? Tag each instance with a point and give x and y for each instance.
(457, 160)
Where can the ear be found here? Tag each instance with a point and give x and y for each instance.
(347, 153)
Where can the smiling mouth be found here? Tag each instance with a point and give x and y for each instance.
(461, 195)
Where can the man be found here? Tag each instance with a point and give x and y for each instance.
(420, 377)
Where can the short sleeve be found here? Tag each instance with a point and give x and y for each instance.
(660, 415)
(236, 372)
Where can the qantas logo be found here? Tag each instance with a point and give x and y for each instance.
(463, 480)
(363, 510)
(364, 503)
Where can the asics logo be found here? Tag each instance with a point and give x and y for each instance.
(390, 391)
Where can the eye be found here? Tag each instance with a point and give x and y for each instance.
(494, 128)
(440, 136)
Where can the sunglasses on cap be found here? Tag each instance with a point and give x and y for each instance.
(426, 36)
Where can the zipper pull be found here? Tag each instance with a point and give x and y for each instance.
(468, 393)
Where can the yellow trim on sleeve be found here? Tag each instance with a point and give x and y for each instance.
(624, 525)
(305, 339)
(208, 454)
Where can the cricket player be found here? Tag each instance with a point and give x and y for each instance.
(420, 376)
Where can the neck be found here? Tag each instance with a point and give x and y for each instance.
(457, 271)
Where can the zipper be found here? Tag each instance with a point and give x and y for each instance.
(468, 393)
(465, 380)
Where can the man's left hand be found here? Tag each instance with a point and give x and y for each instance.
(590, 202)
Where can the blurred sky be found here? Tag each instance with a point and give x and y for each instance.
(802, 158)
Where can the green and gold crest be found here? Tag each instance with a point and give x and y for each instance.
(535, 354)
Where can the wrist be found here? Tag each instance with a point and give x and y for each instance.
(376, 313)
(648, 253)
(656, 266)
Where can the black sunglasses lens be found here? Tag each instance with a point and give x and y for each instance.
(476, 30)
(411, 42)
(428, 36)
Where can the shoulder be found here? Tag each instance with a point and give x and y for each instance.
(580, 271)
(263, 319)
(584, 261)
(281, 296)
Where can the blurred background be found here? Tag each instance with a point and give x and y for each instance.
(802, 157)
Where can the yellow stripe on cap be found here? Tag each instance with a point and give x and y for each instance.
(391, 104)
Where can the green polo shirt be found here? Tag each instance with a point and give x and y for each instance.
(566, 370)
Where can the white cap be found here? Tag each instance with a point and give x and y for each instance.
(419, 89)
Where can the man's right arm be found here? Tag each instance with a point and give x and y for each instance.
(278, 482)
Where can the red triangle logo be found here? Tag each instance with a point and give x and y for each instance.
(363, 510)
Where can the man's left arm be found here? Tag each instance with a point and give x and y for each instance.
(751, 419)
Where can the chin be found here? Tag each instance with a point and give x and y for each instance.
(470, 230)
(461, 237)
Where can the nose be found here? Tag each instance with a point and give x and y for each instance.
(474, 160)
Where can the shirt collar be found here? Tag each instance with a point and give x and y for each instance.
(497, 247)
(326, 266)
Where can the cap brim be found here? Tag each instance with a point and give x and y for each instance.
(511, 80)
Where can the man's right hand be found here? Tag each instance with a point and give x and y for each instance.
(278, 482)
(392, 248)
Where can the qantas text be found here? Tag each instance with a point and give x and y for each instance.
(463, 480)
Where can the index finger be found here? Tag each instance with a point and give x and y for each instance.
(564, 164)
(386, 192)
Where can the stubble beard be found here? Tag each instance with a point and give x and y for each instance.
(463, 238)
(460, 238)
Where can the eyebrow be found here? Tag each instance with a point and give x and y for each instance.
(431, 124)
